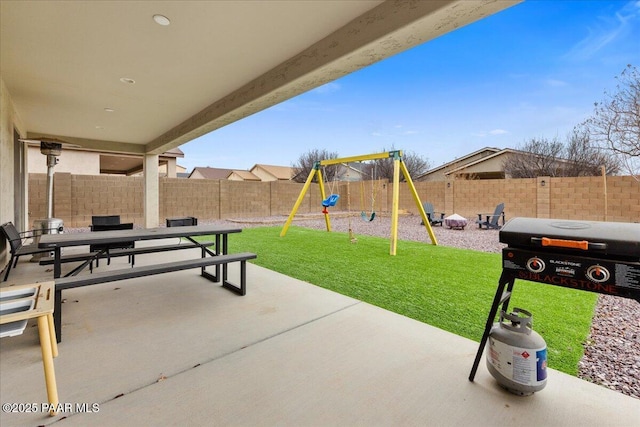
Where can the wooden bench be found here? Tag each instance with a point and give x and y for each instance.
(148, 270)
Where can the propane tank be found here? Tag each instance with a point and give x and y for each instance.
(516, 354)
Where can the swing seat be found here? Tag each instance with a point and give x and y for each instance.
(331, 200)
(365, 217)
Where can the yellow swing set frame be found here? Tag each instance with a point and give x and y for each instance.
(398, 166)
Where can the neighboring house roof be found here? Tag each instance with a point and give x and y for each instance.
(174, 152)
(351, 172)
(487, 163)
(284, 173)
(241, 175)
(210, 173)
(345, 172)
(461, 161)
(484, 159)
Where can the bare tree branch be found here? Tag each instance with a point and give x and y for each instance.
(615, 124)
(302, 168)
(383, 168)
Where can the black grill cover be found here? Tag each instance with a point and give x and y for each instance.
(608, 239)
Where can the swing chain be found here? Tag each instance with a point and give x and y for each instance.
(363, 214)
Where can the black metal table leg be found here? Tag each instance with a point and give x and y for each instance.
(57, 304)
(57, 263)
(501, 297)
(218, 248)
(224, 252)
(213, 277)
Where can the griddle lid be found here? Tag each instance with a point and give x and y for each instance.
(590, 238)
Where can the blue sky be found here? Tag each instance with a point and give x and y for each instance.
(533, 70)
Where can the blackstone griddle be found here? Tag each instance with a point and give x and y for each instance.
(601, 257)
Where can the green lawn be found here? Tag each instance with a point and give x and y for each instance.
(449, 288)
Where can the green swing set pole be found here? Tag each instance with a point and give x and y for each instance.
(416, 198)
(316, 169)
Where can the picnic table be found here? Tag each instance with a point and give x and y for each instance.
(218, 257)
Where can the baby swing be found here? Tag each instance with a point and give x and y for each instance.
(333, 198)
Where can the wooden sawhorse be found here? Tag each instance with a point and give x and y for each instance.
(21, 303)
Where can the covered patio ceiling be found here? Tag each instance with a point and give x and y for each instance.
(106, 76)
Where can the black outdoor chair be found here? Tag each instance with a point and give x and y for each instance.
(435, 218)
(491, 221)
(17, 246)
(181, 222)
(108, 246)
(104, 220)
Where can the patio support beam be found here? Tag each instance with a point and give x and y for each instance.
(151, 191)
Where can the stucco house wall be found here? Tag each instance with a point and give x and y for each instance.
(71, 161)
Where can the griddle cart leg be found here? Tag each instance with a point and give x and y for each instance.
(503, 298)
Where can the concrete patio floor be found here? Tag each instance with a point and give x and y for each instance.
(176, 349)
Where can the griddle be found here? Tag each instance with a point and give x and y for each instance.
(601, 257)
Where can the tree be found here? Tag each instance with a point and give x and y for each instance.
(586, 159)
(537, 157)
(302, 168)
(543, 157)
(615, 124)
(383, 168)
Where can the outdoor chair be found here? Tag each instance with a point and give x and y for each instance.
(181, 222)
(107, 247)
(491, 221)
(435, 218)
(16, 244)
(104, 220)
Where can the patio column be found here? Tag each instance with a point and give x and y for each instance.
(151, 191)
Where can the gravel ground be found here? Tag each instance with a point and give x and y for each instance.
(612, 350)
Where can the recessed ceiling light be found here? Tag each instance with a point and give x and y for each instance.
(99, 127)
(127, 80)
(109, 110)
(161, 20)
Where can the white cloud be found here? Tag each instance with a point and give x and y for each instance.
(609, 29)
(498, 132)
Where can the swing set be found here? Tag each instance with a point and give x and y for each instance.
(332, 199)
